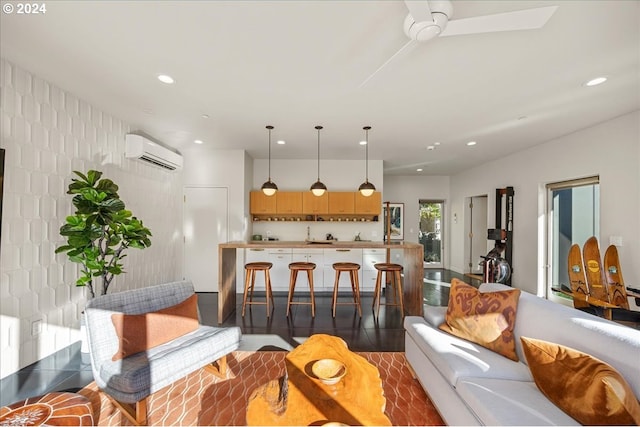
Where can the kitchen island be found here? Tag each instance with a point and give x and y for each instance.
(412, 263)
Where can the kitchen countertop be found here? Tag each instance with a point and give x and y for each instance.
(320, 244)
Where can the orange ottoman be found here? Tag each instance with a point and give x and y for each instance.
(53, 409)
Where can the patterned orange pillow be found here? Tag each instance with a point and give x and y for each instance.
(485, 318)
(140, 332)
(586, 388)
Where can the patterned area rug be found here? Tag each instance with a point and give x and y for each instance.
(203, 399)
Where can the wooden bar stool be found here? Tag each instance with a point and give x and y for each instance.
(396, 284)
(250, 270)
(295, 267)
(352, 268)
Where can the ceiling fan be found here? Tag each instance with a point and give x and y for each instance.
(428, 19)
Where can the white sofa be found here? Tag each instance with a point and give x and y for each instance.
(471, 385)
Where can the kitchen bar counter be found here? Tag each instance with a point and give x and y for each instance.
(412, 281)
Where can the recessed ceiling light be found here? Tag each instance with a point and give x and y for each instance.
(363, 142)
(419, 170)
(281, 142)
(596, 81)
(470, 143)
(431, 147)
(436, 143)
(205, 116)
(197, 141)
(166, 79)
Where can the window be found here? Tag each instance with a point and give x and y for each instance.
(431, 236)
(573, 216)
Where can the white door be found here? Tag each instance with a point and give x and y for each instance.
(206, 218)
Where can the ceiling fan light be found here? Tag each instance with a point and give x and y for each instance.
(318, 188)
(269, 188)
(367, 189)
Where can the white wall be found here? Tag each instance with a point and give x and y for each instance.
(409, 190)
(609, 150)
(337, 175)
(48, 133)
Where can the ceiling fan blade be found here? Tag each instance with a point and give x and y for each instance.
(419, 10)
(395, 55)
(527, 19)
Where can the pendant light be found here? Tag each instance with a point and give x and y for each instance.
(367, 188)
(318, 188)
(269, 188)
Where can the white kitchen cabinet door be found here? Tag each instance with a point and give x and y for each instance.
(280, 270)
(279, 273)
(315, 256)
(332, 256)
(370, 257)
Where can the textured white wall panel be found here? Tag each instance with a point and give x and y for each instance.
(48, 133)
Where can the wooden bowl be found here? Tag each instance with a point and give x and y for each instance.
(329, 371)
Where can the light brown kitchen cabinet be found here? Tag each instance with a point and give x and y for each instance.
(371, 205)
(262, 204)
(289, 202)
(315, 205)
(341, 203)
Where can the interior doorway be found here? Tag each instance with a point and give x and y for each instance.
(477, 231)
(432, 232)
(206, 219)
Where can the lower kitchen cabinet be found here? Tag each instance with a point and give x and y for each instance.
(370, 257)
(315, 256)
(332, 256)
(279, 273)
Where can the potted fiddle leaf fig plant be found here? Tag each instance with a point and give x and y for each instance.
(100, 231)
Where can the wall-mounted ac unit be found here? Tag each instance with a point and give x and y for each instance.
(141, 148)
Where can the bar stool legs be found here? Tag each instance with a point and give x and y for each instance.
(301, 266)
(352, 269)
(396, 284)
(249, 284)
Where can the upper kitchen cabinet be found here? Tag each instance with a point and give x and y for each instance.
(341, 203)
(262, 204)
(289, 202)
(315, 205)
(368, 205)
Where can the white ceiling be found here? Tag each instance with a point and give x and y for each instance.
(296, 64)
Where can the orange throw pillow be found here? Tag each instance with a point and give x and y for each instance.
(485, 318)
(140, 332)
(587, 389)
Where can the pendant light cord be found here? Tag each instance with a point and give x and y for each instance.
(270, 128)
(269, 154)
(318, 128)
(366, 151)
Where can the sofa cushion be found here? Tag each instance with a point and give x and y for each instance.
(140, 332)
(141, 374)
(455, 357)
(434, 315)
(485, 318)
(497, 402)
(586, 388)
